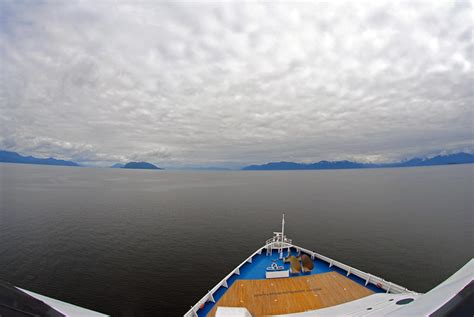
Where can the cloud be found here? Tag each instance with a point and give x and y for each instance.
(235, 83)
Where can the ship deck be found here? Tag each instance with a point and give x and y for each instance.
(324, 286)
(290, 295)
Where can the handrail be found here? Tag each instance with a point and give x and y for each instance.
(223, 282)
(369, 278)
(276, 239)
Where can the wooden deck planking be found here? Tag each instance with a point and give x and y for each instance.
(291, 295)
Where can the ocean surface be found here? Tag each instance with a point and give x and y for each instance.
(151, 243)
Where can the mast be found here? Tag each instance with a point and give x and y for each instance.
(283, 227)
(282, 236)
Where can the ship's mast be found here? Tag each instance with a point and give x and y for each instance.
(283, 227)
(282, 235)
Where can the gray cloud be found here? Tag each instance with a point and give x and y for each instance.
(232, 84)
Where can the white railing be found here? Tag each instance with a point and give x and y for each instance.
(368, 278)
(209, 296)
(277, 239)
(286, 243)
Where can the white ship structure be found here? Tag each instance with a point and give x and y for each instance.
(284, 279)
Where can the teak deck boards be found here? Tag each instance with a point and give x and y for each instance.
(291, 295)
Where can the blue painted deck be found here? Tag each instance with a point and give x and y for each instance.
(256, 271)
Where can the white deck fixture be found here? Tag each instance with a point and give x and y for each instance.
(277, 274)
(232, 312)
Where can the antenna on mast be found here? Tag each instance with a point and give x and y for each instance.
(282, 235)
(283, 226)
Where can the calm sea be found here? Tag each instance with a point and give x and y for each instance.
(143, 243)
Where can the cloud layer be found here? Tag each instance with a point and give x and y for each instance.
(233, 84)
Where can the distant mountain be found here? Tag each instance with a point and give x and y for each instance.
(141, 165)
(337, 165)
(118, 165)
(13, 157)
(322, 165)
(458, 158)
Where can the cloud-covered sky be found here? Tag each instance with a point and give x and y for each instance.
(230, 84)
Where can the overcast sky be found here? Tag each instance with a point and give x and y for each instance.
(188, 84)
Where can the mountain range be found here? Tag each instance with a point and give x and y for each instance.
(458, 158)
(13, 157)
(141, 165)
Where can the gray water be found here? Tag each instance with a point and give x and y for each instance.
(143, 243)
